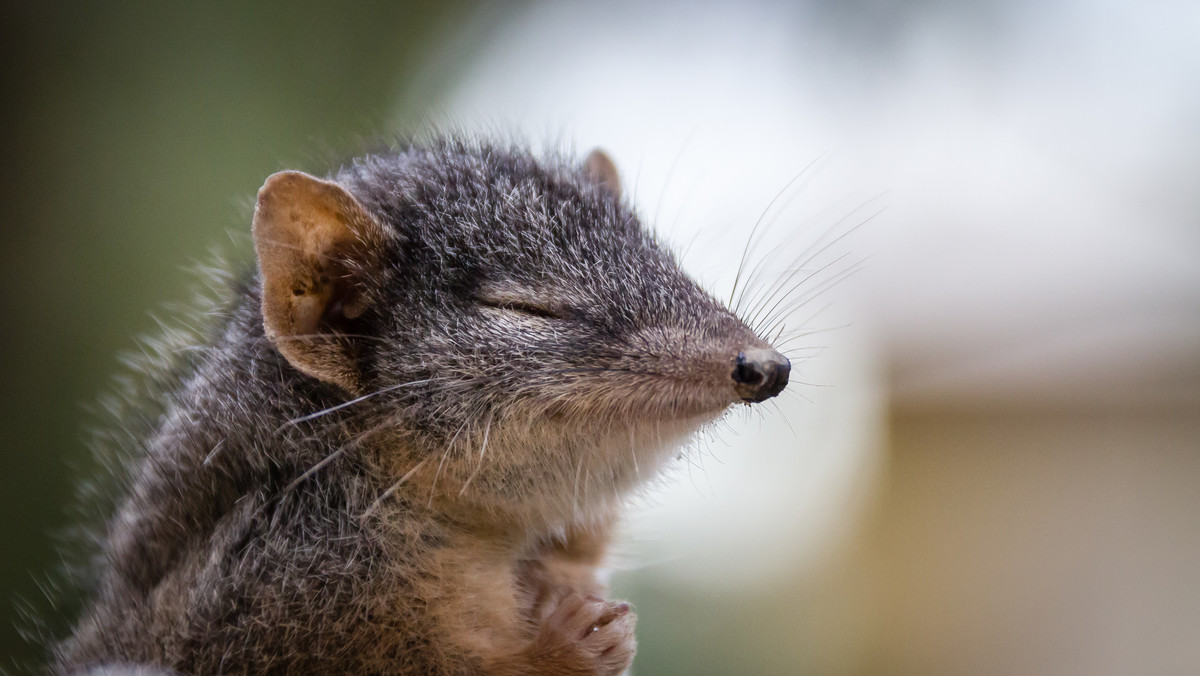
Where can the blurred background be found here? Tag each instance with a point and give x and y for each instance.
(990, 461)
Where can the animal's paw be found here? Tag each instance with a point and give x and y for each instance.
(587, 635)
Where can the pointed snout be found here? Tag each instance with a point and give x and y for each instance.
(760, 373)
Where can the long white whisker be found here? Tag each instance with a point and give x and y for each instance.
(575, 493)
(750, 238)
(345, 404)
(392, 489)
(357, 441)
(670, 174)
(633, 453)
(753, 319)
(814, 293)
(783, 417)
(808, 257)
(748, 288)
(445, 454)
(687, 199)
(482, 449)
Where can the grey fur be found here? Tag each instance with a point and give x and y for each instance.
(523, 331)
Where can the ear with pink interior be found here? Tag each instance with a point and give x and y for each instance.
(316, 244)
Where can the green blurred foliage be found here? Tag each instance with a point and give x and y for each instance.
(135, 136)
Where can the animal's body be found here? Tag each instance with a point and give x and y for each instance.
(405, 446)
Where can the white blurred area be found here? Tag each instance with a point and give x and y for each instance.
(990, 465)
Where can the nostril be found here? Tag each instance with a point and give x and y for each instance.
(760, 374)
(747, 372)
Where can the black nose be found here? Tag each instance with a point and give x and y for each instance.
(760, 374)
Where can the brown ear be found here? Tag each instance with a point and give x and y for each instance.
(599, 167)
(314, 242)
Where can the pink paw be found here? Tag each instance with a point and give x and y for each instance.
(588, 635)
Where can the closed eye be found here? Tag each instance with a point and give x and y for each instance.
(525, 308)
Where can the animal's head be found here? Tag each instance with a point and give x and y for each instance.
(484, 296)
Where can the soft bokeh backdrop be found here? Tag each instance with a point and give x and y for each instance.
(135, 137)
(989, 466)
